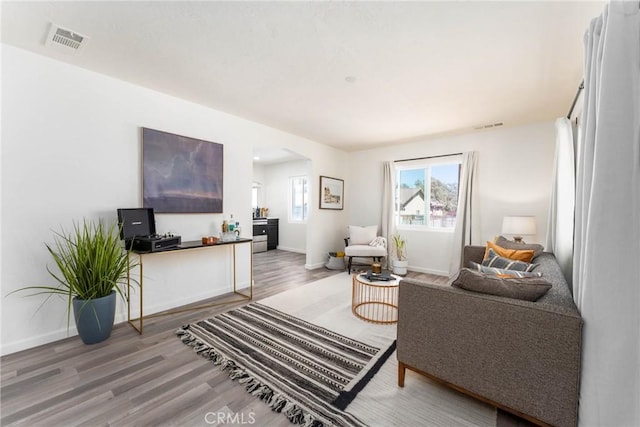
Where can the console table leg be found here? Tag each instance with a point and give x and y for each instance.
(129, 320)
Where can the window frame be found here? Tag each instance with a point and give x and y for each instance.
(426, 164)
(305, 199)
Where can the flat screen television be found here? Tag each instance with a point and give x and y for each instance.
(181, 174)
(136, 222)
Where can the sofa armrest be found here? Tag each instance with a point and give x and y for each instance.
(519, 354)
(472, 253)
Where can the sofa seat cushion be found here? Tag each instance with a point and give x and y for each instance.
(528, 289)
(560, 294)
(365, 251)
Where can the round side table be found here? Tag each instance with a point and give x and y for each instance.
(375, 301)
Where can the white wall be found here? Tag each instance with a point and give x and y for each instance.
(293, 235)
(514, 178)
(71, 149)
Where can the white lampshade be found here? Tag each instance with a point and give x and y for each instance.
(519, 226)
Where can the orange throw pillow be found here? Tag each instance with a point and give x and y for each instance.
(523, 255)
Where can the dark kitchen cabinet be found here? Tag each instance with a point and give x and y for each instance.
(272, 233)
(265, 228)
(259, 229)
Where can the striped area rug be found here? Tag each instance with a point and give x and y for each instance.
(307, 372)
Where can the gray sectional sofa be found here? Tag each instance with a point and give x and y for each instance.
(521, 356)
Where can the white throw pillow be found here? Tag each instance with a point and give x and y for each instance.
(362, 235)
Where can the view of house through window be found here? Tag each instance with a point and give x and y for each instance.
(298, 199)
(427, 206)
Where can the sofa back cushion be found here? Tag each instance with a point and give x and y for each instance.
(509, 244)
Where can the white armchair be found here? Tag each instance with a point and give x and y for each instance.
(364, 242)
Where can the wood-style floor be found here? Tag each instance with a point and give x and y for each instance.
(149, 379)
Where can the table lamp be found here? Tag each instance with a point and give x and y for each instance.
(517, 226)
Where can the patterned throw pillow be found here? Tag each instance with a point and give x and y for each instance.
(528, 289)
(502, 272)
(525, 255)
(493, 260)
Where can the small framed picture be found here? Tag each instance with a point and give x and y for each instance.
(331, 193)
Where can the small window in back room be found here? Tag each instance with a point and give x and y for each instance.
(298, 199)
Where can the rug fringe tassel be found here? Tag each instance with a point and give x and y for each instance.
(276, 401)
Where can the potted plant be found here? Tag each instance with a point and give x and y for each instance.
(91, 267)
(400, 262)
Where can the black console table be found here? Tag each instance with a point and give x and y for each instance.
(190, 245)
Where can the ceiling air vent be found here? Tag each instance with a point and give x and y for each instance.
(490, 125)
(65, 40)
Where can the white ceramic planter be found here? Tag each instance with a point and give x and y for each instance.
(400, 267)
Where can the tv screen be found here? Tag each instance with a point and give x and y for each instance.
(136, 222)
(181, 174)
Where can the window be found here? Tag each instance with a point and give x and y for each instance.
(254, 197)
(431, 206)
(298, 199)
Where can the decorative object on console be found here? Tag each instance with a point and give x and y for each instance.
(181, 174)
(209, 240)
(92, 270)
(136, 222)
(138, 230)
(519, 226)
(331, 193)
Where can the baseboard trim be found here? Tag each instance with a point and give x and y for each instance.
(428, 271)
(314, 266)
(296, 250)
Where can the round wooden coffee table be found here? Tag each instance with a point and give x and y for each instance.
(375, 301)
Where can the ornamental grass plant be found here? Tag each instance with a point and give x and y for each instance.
(90, 261)
(400, 244)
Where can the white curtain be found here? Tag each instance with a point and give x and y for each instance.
(388, 207)
(606, 264)
(561, 210)
(465, 223)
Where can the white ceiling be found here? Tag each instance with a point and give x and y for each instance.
(349, 74)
